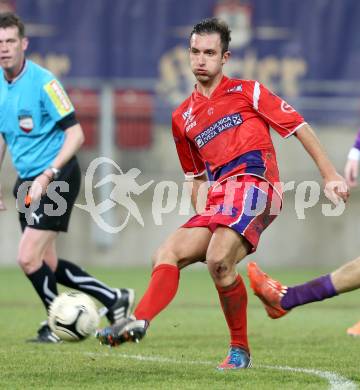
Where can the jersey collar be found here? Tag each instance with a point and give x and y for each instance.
(217, 91)
(23, 70)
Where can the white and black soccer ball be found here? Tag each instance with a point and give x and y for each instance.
(73, 316)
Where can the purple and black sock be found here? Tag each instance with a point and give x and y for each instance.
(315, 290)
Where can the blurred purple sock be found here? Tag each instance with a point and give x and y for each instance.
(315, 290)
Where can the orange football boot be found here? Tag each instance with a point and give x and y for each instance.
(269, 291)
(354, 330)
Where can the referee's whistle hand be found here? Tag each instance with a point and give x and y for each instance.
(38, 187)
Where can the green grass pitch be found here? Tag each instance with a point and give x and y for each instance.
(308, 349)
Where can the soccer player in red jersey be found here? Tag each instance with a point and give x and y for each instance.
(222, 135)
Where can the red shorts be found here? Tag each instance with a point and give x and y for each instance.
(246, 204)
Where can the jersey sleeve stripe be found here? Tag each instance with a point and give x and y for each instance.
(189, 176)
(256, 95)
(296, 129)
(281, 126)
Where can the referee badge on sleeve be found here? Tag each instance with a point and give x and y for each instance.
(26, 122)
(58, 97)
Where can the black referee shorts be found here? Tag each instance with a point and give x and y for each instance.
(53, 210)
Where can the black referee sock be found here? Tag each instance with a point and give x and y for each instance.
(71, 275)
(44, 282)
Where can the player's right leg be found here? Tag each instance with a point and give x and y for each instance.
(31, 250)
(184, 247)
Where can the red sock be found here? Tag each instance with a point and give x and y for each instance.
(161, 291)
(233, 300)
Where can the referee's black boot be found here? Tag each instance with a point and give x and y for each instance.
(123, 306)
(45, 335)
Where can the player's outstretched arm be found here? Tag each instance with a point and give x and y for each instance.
(335, 187)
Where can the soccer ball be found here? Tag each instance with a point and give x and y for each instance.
(73, 316)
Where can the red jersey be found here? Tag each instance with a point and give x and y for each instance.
(228, 133)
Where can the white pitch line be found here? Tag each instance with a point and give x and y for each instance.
(336, 382)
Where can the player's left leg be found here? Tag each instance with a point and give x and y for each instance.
(118, 302)
(226, 248)
(242, 217)
(279, 299)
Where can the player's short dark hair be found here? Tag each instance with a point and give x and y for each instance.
(214, 25)
(9, 19)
